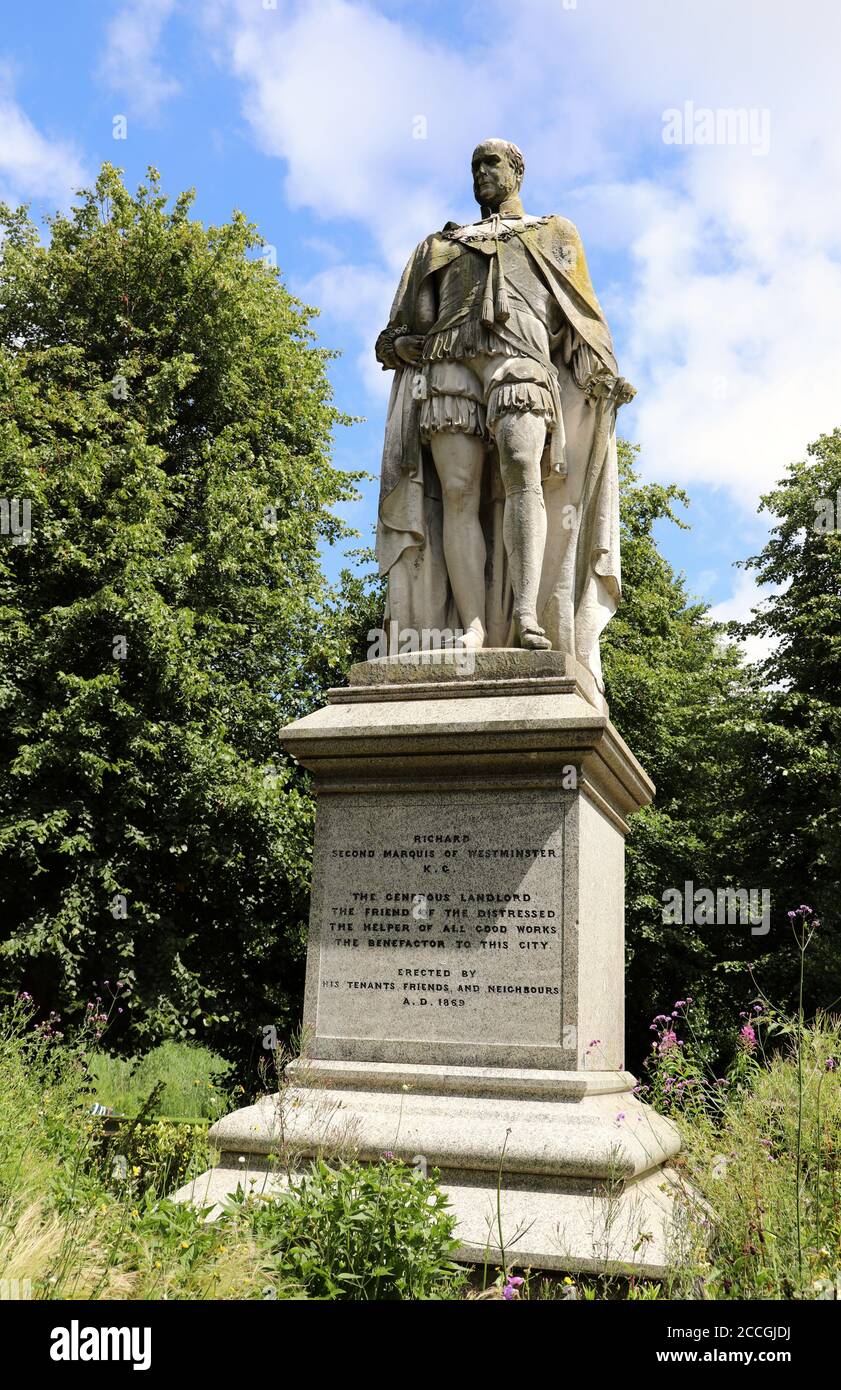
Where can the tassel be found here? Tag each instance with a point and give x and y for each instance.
(503, 309)
(488, 298)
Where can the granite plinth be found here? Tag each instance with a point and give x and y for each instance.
(465, 975)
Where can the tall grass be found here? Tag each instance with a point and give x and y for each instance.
(79, 1219)
(762, 1149)
(71, 1229)
(192, 1081)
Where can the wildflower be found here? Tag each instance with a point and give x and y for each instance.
(668, 1040)
(831, 1064)
(513, 1284)
(747, 1037)
(388, 1154)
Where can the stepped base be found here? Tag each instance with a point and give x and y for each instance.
(579, 1162)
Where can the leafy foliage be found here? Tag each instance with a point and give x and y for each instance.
(187, 1081)
(363, 1232)
(795, 751)
(682, 699)
(166, 415)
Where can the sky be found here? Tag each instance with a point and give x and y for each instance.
(695, 146)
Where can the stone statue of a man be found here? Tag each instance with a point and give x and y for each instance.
(499, 509)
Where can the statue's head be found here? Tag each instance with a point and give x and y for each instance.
(498, 168)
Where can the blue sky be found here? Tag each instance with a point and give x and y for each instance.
(345, 130)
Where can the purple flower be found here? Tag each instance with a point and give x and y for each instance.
(747, 1038)
(512, 1285)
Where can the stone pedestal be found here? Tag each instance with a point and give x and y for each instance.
(465, 977)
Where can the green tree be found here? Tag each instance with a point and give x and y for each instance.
(166, 415)
(796, 752)
(682, 698)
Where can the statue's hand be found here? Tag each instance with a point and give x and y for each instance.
(409, 347)
(384, 348)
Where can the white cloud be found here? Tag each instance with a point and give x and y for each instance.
(129, 64)
(357, 299)
(725, 290)
(33, 165)
(335, 90)
(746, 596)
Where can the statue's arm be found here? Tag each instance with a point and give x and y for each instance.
(401, 342)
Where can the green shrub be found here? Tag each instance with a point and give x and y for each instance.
(159, 1154)
(363, 1232)
(762, 1148)
(193, 1081)
(70, 1229)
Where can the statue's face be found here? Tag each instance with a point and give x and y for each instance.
(494, 178)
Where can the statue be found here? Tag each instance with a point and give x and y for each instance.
(499, 504)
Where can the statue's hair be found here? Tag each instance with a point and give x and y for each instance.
(515, 154)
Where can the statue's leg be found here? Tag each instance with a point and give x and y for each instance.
(520, 437)
(459, 459)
